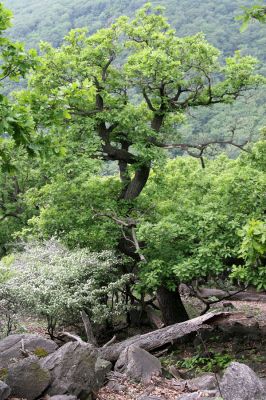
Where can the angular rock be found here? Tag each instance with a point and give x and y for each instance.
(10, 347)
(240, 382)
(263, 381)
(203, 382)
(116, 387)
(102, 367)
(63, 397)
(76, 370)
(149, 398)
(190, 396)
(5, 391)
(210, 395)
(138, 364)
(27, 379)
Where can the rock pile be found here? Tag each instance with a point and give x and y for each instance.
(32, 367)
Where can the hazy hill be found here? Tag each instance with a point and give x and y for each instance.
(50, 20)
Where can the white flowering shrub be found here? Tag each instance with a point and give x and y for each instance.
(53, 282)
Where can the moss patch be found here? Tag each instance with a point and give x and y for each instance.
(40, 352)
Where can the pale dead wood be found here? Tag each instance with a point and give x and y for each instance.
(88, 328)
(161, 337)
(110, 342)
(73, 337)
(24, 352)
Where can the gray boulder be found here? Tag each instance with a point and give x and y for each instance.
(200, 395)
(203, 382)
(190, 396)
(63, 397)
(138, 364)
(75, 369)
(149, 398)
(101, 369)
(240, 382)
(116, 387)
(5, 391)
(10, 347)
(27, 379)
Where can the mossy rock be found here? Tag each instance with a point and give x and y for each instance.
(40, 352)
(28, 379)
(3, 374)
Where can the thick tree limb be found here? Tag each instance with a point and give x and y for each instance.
(242, 295)
(116, 154)
(161, 337)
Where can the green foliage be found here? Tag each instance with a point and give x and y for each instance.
(253, 251)
(16, 124)
(257, 12)
(212, 363)
(21, 175)
(69, 207)
(5, 270)
(192, 227)
(53, 282)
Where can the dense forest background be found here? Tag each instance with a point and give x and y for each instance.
(50, 20)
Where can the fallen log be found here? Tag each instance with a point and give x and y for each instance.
(161, 337)
(232, 295)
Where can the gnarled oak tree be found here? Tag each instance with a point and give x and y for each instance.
(127, 88)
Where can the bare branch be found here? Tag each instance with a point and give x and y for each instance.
(208, 303)
(110, 342)
(201, 147)
(128, 223)
(88, 328)
(148, 101)
(137, 246)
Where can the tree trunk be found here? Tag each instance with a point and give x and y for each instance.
(137, 184)
(171, 306)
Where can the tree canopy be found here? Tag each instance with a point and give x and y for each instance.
(16, 124)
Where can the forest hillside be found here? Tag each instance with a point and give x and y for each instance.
(49, 20)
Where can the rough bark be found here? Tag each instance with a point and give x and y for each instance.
(161, 337)
(171, 306)
(242, 296)
(138, 183)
